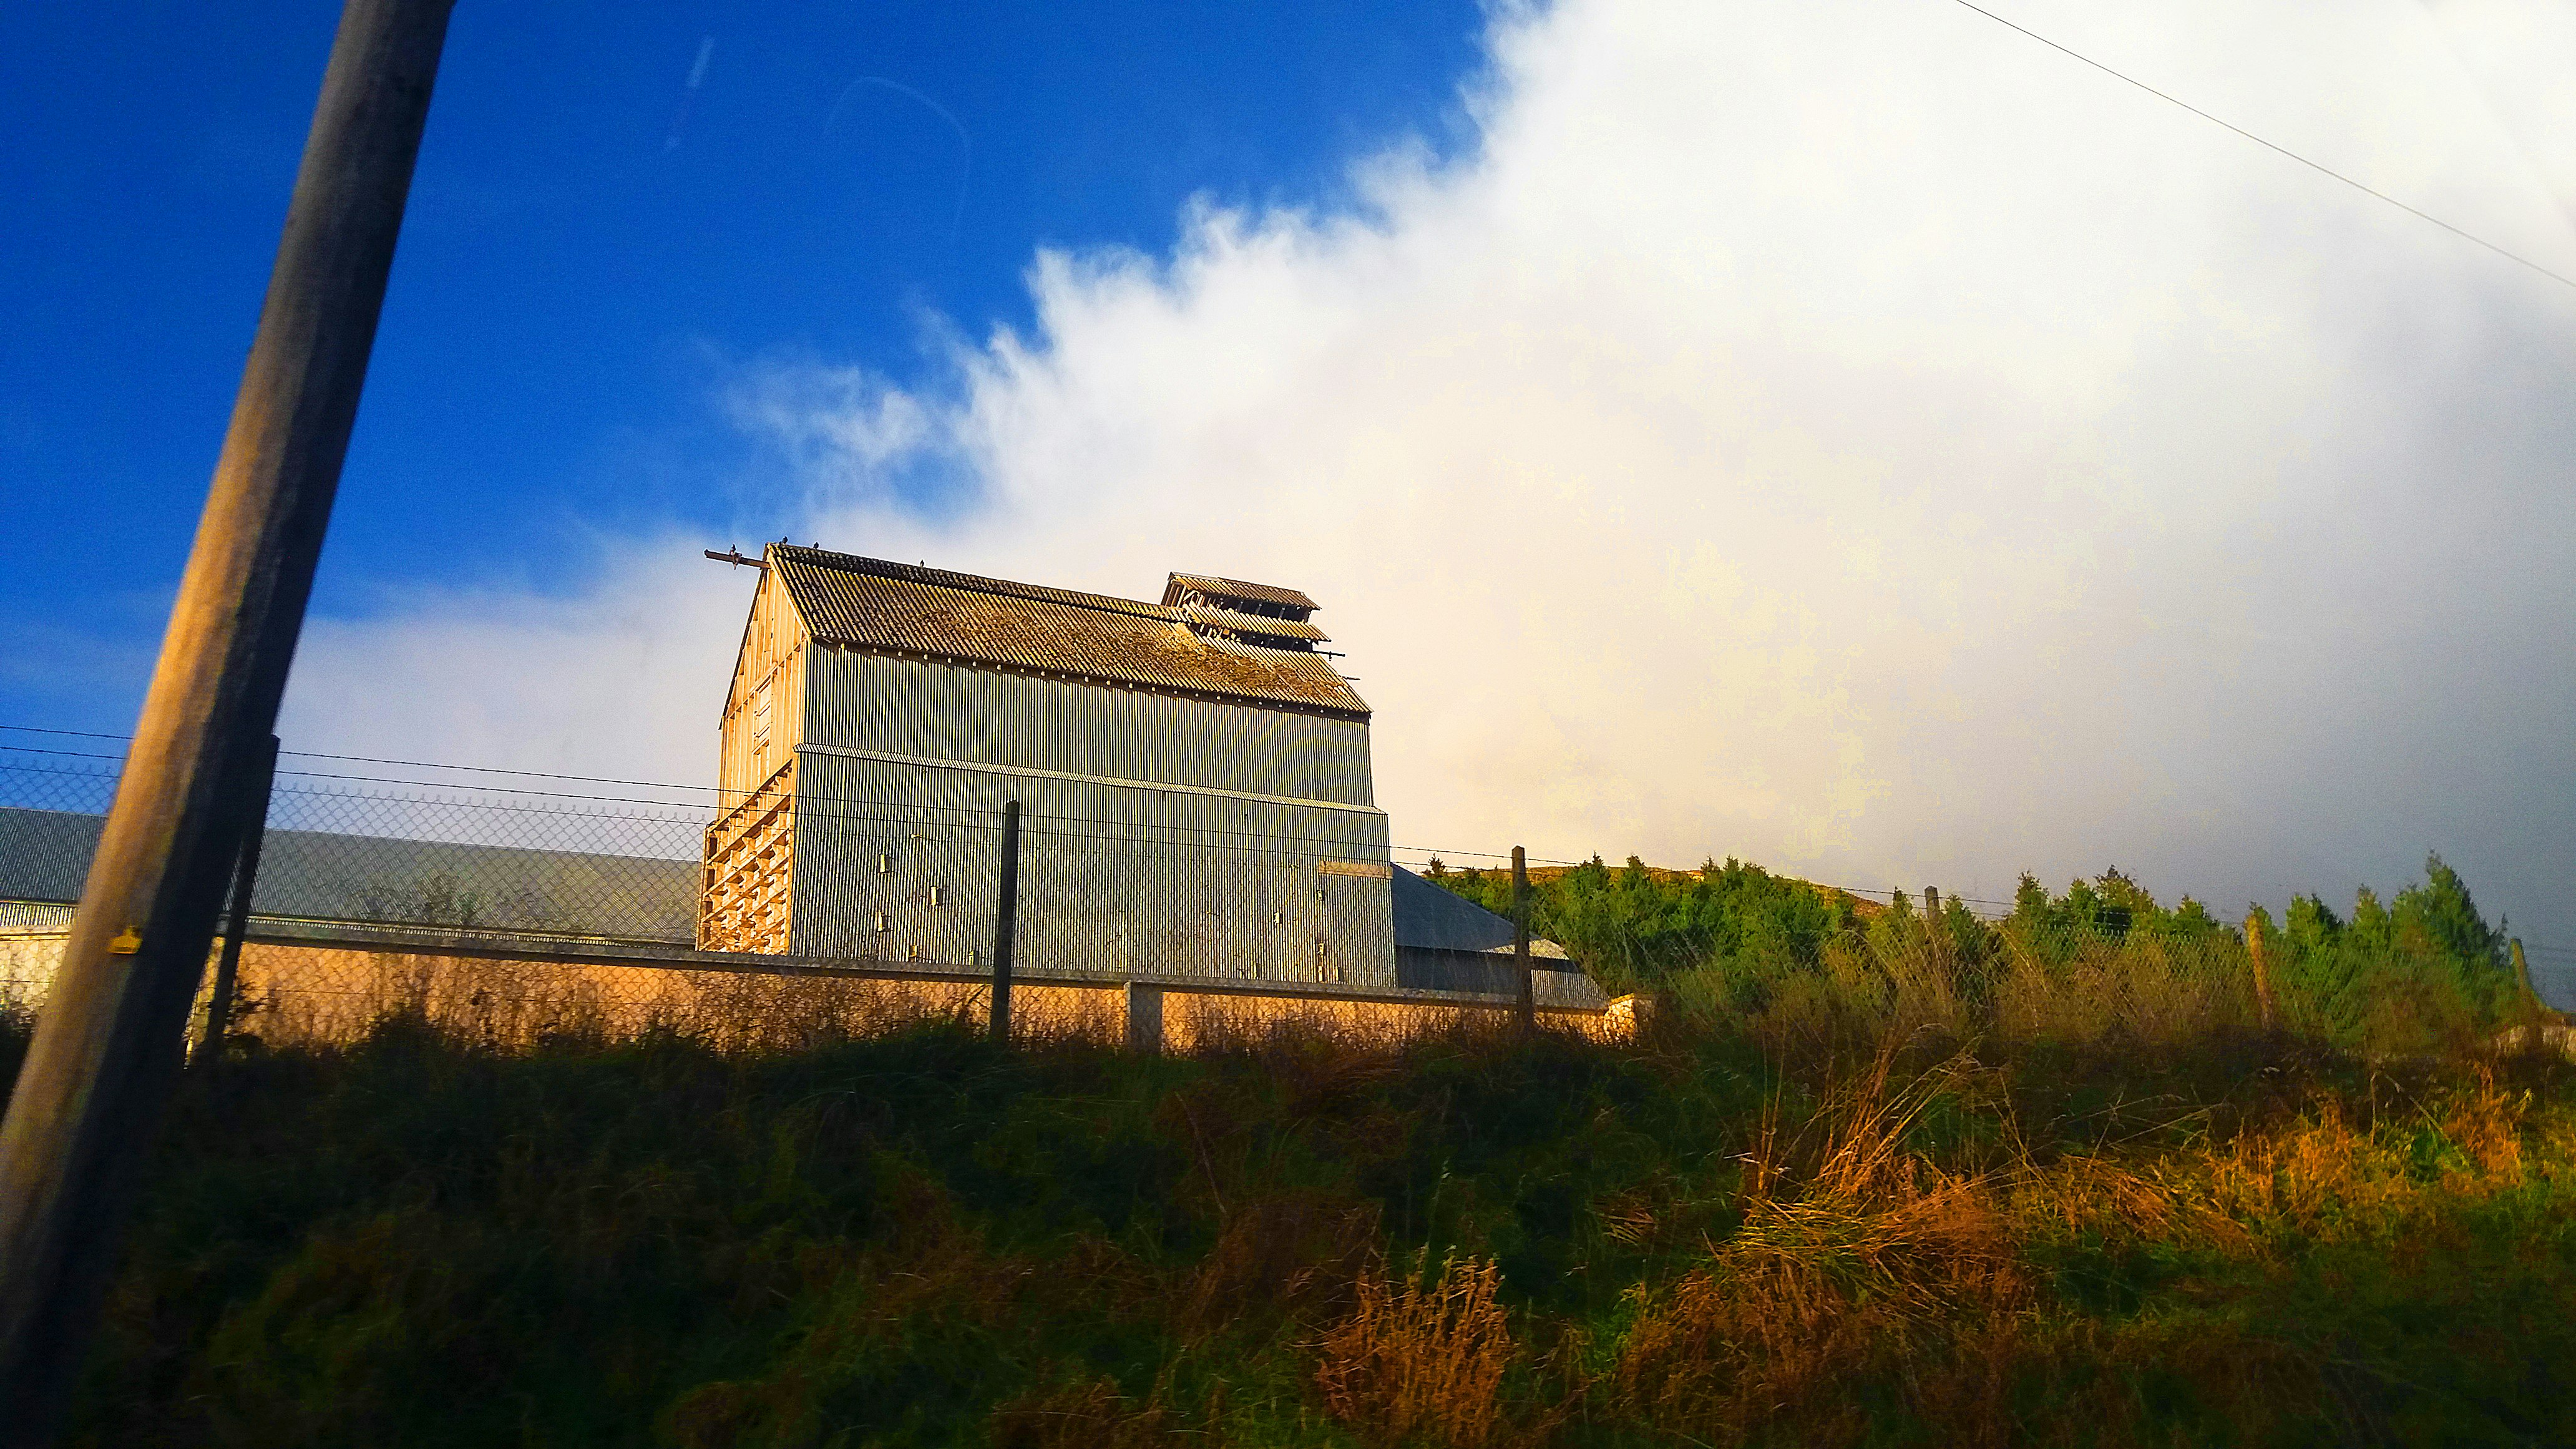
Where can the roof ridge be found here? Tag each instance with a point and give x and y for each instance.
(914, 610)
(974, 583)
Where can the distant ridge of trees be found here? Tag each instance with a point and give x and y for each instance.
(1740, 929)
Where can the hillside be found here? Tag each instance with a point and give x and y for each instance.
(1900, 1195)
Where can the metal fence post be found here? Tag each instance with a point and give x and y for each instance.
(254, 818)
(1520, 938)
(108, 1046)
(1005, 921)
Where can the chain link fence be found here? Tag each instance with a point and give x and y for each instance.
(551, 902)
(524, 909)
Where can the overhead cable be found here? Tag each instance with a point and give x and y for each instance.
(2317, 166)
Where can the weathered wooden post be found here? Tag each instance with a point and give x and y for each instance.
(1520, 939)
(1144, 1018)
(108, 1046)
(2537, 1010)
(1006, 922)
(2262, 969)
(254, 818)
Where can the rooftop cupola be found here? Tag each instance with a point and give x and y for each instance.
(1266, 616)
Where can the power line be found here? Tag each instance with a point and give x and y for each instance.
(2316, 166)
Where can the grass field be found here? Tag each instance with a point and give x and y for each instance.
(1871, 1209)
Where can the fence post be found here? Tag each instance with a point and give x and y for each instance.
(1005, 921)
(109, 1045)
(1932, 921)
(1520, 939)
(2262, 971)
(254, 818)
(1144, 1018)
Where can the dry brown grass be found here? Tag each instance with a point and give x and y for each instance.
(323, 996)
(1854, 1251)
(2325, 1173)
(1420, 1360)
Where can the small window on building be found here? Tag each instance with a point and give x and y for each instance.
(885, 863)
(916, 952)
(882, 923)
(934, 895)
(1278, 918)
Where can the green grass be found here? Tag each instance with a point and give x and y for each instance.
(1734, 1230)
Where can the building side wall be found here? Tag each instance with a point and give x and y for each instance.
(765, 707)
(946, 712)
(1120, 878)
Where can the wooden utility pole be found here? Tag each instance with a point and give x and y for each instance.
(2262, 969)
(1520, 939)
(107, 1048)
(252, 811)
(1006, 923)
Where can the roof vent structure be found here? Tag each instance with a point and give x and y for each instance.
(1265, 616)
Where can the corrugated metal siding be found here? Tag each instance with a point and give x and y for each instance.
(1553, 983)
(1047, 631)
(768, 688)
(1117, 878)
(953, 712)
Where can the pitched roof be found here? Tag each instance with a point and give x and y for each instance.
(1432, 918)
(909, 609)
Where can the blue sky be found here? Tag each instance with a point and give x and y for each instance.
(1849, 435)
(592, 250)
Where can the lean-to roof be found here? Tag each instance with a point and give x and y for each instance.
(922, 612)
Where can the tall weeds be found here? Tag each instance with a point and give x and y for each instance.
(1421, 1356)
(1917, 1195)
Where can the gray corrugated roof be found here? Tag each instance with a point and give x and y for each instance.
(1431, 918)
(931, 613)
(45, 855)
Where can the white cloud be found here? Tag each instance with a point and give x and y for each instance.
(1851, 436)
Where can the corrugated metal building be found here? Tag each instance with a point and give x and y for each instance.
(320, 875)
(1193, 774)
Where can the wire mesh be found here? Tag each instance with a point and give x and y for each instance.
(569, 873)
(376, 893)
